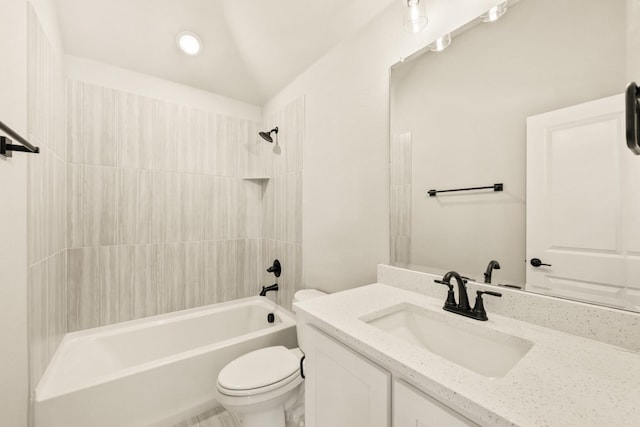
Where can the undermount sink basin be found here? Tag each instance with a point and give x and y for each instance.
(478, 348)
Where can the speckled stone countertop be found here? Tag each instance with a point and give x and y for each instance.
(563, 380)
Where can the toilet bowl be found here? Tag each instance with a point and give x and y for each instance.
(258, 387)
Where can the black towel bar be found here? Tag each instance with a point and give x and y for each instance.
(7, 147)
(494, 187)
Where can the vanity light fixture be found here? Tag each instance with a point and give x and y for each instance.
(189, 43)
(495, 12)
(441, 43)
(414, 15)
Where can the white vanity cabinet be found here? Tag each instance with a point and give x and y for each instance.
(343, 389)
(413, 408)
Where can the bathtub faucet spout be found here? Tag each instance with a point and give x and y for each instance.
(266, 289)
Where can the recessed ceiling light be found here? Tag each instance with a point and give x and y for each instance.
(189, 43)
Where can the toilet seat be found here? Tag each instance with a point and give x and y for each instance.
(260, 371)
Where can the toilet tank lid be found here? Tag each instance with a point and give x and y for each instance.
(305, 294)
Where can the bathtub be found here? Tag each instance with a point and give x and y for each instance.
(155, 371)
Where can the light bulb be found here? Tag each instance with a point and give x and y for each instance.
(441, 43)
(415, 15)
(189, 43)
(495, 12)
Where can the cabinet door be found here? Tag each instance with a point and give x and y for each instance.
(343, 389)
(413, 408)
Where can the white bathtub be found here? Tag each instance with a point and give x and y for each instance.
(155, 371)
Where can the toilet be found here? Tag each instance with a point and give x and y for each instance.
(258, 387)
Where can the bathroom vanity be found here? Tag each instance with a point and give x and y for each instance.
(344, 388)
(381, 356)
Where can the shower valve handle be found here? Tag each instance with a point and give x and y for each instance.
(276, 268)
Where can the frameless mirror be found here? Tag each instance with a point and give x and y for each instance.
(531, 101)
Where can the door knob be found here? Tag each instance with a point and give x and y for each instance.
(537, 263)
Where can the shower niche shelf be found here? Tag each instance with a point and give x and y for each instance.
(256, 178)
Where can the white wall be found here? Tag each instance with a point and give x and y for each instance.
(101, 74)
(13, 217)
(13, 208)
(345, 171)
(633, 40)
(48, 17)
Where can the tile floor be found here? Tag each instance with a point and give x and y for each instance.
(217, 417)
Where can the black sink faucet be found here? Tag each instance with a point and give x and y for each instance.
(463, 308)
(462, 289)
(493, 265)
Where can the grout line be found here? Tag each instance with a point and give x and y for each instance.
(173, 243)
(47, 258)
(153, 170)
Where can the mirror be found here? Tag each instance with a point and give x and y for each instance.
(459, 120)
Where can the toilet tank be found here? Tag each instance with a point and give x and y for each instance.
(301, 324)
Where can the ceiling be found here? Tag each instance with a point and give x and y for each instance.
(252, 48)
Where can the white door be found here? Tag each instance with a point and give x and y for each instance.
(583, 205)
(343, 389)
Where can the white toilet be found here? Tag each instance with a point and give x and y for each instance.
(260, 386)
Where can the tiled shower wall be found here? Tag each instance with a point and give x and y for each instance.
(46, 200)
(282, 202)
(159, 216)
(400, 198)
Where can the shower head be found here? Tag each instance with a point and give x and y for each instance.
(267, 135)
